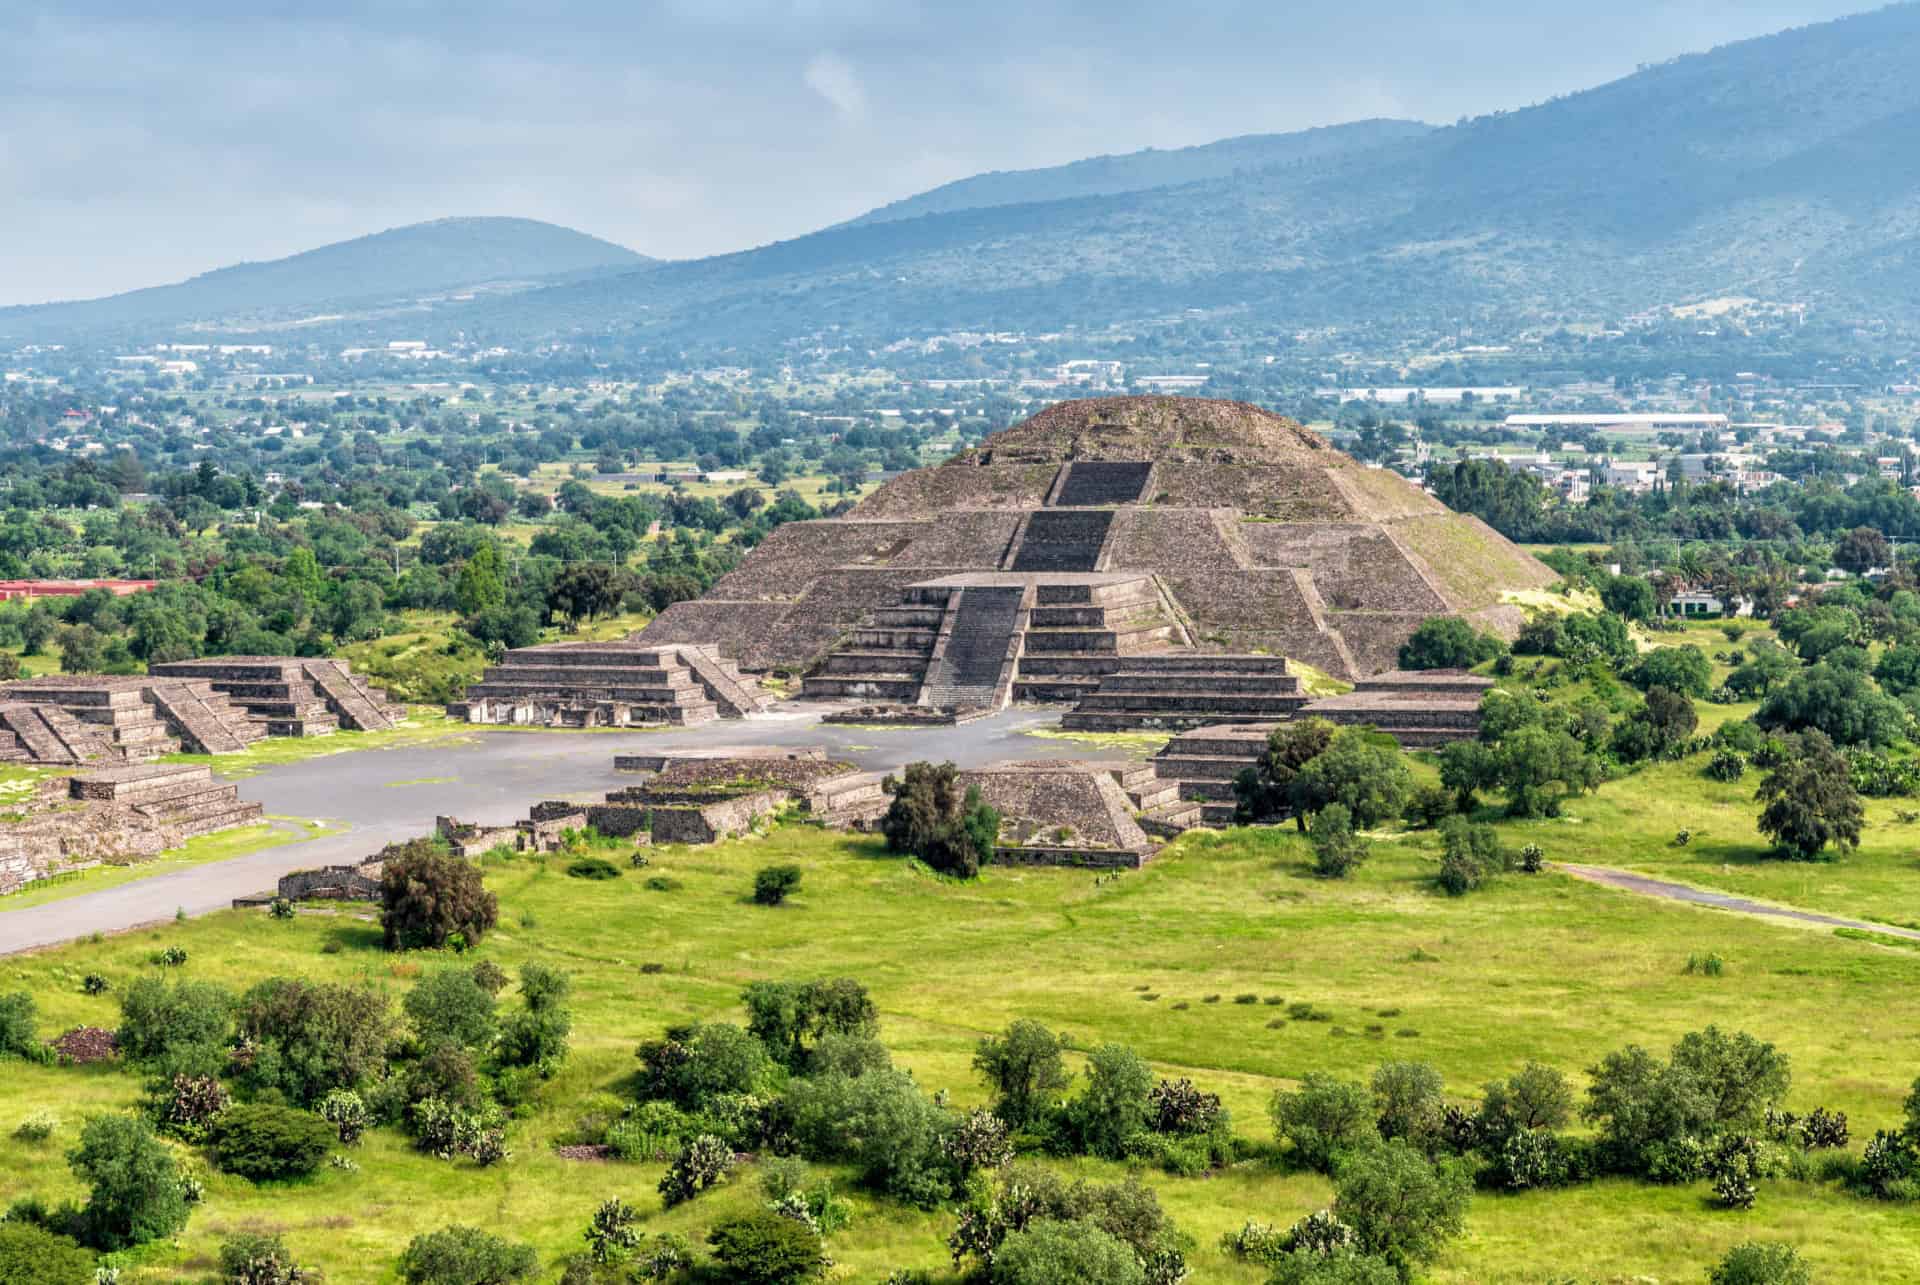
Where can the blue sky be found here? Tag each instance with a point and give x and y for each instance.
(141, 143)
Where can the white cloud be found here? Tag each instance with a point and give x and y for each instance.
(831, 76)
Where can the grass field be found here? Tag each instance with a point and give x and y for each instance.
(1538, 967)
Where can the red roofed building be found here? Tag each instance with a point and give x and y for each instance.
(11, 589)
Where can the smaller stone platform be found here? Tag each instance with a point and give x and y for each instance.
(1068, 812)
(612, 684)
(1175, 691)
(144, 716)
(1418, 708)
(292, 696)
(703, 796)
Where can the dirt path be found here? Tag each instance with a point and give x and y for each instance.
(1647, 886)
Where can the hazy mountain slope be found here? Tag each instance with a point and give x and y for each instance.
(1784, 167)
(397, 266)
(1137, 171)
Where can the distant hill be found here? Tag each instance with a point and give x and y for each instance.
(399, 267)
(1137, 171)
(1782, 168)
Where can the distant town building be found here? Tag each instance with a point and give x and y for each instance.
(1680, 422)
(12, 589)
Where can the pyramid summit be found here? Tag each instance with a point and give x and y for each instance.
(1110, 526)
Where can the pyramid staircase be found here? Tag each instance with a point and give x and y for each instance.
(984, 639)
(1200, 766)
(40, 732)
(358, 704)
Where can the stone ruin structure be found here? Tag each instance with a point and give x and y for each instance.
(219, 705)
(1066, 812)
(1150, 560)
(293, 696)
(114, 814)
(613, 684)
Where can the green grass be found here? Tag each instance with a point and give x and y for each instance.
(198, 851)
(1539, 967)
(1131, 744)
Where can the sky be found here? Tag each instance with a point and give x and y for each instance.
(142, 143)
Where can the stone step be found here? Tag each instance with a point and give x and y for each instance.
(1097, 616)
(1045, 641)
(1173, 816)
(202, 727)
(238, 813)
(1219, 815)
(911, 664)
(690, 694)
(894, 688)
(732, 694)
(1186, 662)
(1052, 690)
(1129, 679)
(213, 798)
(136, 784)
(564, 677)
(1182, 767)
(1237, 706)
(347, 701)
(300, 725)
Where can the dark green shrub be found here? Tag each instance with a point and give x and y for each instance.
(451, 1005)
(595, 868)
(1337, 850)
(134, 1192)
(1409, 1100)
(1401, 1207)
(95, 984)
(1448, 642)
(175, 1027)
(663, 883)
(32, 1255)
(711, 1059)
(1428, 806)
(465, 1256)
(763, 1248)
(266, 1143)
(18, 1037)
(1115, 1103)
(614, 1232)
(306, 1039)
(429, 898)
(280, 908)
(1023, 1067)
(1727, 766)
(932, 819)
(773, 884)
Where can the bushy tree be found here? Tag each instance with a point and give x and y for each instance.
(1265, 791)
(1842, 704)
(449, 1005)
(1810, 801)
(1448, 642)
(1401, 1207)
(1049, 1252)
(18, 1036)
(1470, 855)
(1409, 1099)
(258, 1258)
(931, 818)
(465, 1256)
(1324, 1117)
(881, 1123)
(1534, 760)
(1466, 768)
(175, 1028)
(1534, 1098)
(134, 1193)
(536, 1035)
(1367, 778)
(429, 898)
(1766, 667)
(773, 884)
(787, 1016)
(1023, 1067)
(1628, 597)
(306, 1039)
(1337, 850)
(1679, 669)
(707, 1061)
(1113, 1107)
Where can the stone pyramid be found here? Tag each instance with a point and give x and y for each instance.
(1262, 536)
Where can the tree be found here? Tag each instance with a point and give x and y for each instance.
(177, 1028)
(930, 818)
(429, 897)
(785, 1016)
(764, 1248)
(1466, 768)
(133, 1185)
(482, 582)
(772, 884)
(1114, 1105)
(1629, 597)
(465, 1256)
(714, 1059)
(82, 650)
(1370, 780)
(306, 1039)
(1534, 1098)
(1401, 1207)
(1841, 703)
(1264, 792)
(1050, 1252)
(1448, 642)
(1810, 801)
(1680, 669)
(1023, 1068)
(18, 1037)
(1761, 1262)
(587, 589)
(258, 1258)
(1409, 1100)
(1323, 1118)
(1337, 850)
(536, 1036)
(1860, 550)
(1737, 1077)
(1899, 669)
(1533, 759)
(449, 1005)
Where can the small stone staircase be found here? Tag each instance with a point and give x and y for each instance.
(984, 635)
(1177, 691)
(355, 702)
(46, 733)
(1102, 482)
(1200, 765)
(1062, 540)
